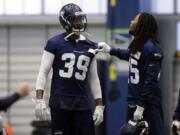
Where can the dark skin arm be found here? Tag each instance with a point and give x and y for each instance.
(98, 101)
(39, 94)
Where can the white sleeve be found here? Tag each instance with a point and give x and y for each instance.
(94, 80)
(45, 67)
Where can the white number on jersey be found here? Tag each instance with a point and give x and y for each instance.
(69, 59)
(134, 79)
(82, 64)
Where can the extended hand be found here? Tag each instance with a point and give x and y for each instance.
(103, 47)
(98, 115)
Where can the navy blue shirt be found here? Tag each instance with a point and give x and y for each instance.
(144, 72)
(70, 70)
(6, 102)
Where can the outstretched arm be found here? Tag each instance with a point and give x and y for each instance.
(123, 54)
(22, 90)
(8, 101)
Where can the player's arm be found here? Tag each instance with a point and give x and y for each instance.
(153, 60)
(96, 92)
(94, 82)
(151, 76)
(45, 67)
(6, 102)
(123, 54)
(41, 110)
(22, 90)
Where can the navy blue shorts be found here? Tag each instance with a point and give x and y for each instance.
(67, 122)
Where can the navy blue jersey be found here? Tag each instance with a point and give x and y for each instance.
(144, 72)
(70, 70)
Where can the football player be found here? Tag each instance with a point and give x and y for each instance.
(72, 58)
(144, 56)
(176, 118)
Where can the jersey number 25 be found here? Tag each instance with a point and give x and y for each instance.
(135, 77)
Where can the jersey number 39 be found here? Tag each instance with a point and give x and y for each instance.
(82, 66)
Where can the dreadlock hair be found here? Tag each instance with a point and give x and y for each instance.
(146, 28)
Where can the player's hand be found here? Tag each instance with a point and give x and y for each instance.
(176, 126)
(41, 110)
(98, 115)
(103, 47)
(138, 114)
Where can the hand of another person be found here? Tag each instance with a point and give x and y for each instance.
(98, 115)
(103, 47)
(138, 114)
(22, 89)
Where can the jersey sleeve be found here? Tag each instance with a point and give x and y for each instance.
(123, 54)
(151, 76)
(50, 47)
(176, 115)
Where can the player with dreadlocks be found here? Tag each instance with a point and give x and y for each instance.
(144, 56)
